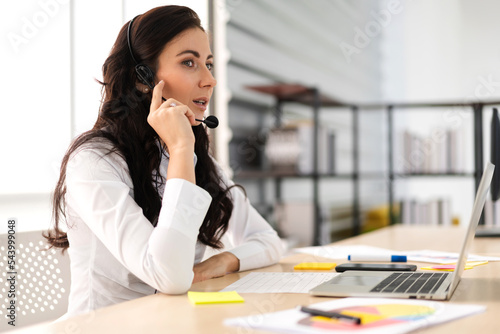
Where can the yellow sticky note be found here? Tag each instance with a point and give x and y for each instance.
(315, 266)
(214, 297)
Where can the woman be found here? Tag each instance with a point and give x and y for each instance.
(140, 194)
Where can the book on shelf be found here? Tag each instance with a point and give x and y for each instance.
(438, 153)
(294, 220)
(246, 150)
(491, 213)
(291, 149)
(432, 212)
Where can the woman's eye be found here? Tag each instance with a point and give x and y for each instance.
(210, 66)
(188, 63)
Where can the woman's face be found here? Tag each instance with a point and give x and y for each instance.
(185, 64)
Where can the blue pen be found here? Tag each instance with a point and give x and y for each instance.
(376, 258)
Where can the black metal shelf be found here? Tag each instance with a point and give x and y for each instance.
(296, 93)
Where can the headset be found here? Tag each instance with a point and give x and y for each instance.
(146, 76)
(144, 73)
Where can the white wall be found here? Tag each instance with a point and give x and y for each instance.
(43, 67)
(441, 50)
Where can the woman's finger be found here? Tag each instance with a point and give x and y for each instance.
(156, 100)
(182, 108)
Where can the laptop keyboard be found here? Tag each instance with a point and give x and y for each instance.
(422, 283)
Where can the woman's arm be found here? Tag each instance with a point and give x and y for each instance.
(99, 191)
(216, 266)
(172, 121)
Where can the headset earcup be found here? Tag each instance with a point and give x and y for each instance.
(145, 75)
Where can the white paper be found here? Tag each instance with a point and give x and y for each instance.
(425, 255)
(266, 282)
(341, 252)
(432, 256)
(418, 314)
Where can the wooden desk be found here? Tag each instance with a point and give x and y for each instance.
(175, 314)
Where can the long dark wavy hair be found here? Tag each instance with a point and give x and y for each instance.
(122, 121)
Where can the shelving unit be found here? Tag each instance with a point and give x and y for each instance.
(288, 93)
(476, 108)
(294, 93)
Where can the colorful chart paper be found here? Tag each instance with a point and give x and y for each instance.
(378, 315)
(452, 266)
(371, 316)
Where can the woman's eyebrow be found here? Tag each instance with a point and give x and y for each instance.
(194, 53)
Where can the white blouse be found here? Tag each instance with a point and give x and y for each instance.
(117, 255)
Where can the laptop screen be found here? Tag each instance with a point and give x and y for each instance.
(477, 209)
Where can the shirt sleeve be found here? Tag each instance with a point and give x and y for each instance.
(99, 191)
(252, 240)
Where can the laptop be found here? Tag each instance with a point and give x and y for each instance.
(421, 285)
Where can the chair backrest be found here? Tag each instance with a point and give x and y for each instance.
(35, 282)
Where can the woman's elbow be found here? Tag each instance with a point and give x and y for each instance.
(176, 286)
(177, 290)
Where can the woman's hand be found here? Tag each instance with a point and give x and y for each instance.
(216, 266)
(172, 121)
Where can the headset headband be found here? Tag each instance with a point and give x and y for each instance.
(129, 42)
(144, 73)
